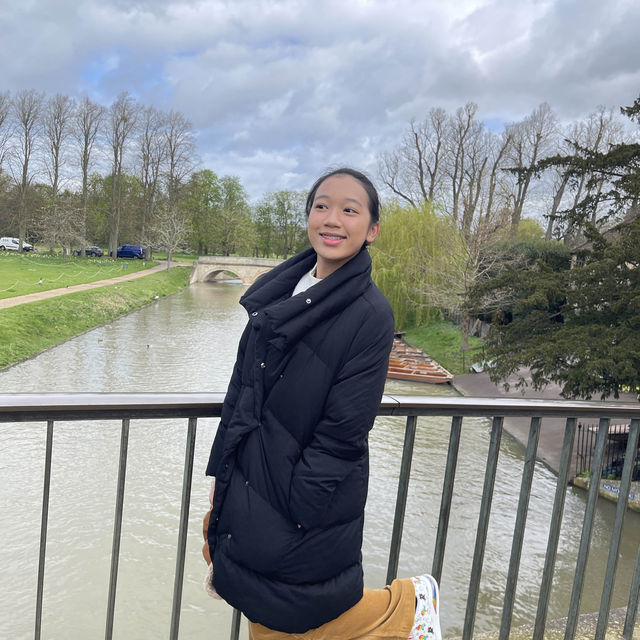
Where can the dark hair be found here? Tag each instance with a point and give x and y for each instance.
(374, 201)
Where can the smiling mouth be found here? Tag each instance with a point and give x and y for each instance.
(331, 236)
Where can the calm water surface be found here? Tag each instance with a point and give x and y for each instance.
(187, 342)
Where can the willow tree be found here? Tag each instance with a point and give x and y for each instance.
(409, 239)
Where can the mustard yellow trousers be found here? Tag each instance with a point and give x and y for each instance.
(381, 614)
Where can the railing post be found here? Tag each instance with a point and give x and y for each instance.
(616, 535)
(483, 525)
(554, 530)
(117, 528)
(235, 625)
(587, 528)
(518, 531)
(184, 524)
(447, 497)
(43, 528)
(401, 500)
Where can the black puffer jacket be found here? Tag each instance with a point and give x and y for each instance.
(291, 453)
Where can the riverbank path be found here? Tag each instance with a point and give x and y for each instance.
(552, 432)
(6, 303)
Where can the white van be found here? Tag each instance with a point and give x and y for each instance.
(12, 244)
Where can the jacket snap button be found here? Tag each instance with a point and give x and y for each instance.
(228, 536)
(308, 300)
(246, 483)
(262, 365)
(299, 526)
(254, 314)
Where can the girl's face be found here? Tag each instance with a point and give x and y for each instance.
(339, 222)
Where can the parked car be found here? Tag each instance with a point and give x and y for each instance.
(12, 244)
(131, 251)
(94, 251)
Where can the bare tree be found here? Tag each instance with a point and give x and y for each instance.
(499, 148)
(151, 155)
(413, 171)
(65, 228)
(87, 123)
(123, 116)
(180, 153)
(533, 138)
(170, 231)
(26, 108)
(58, 113)
(5, 128)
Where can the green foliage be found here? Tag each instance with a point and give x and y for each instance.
(442, 341)
(529, 230)
(219, 214)
(410, 238)
(30, 328)
(612, 176)
(577, 327)
(281, 224)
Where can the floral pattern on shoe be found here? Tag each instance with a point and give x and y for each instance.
(426, 624)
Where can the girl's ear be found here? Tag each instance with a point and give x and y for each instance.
(373, 232)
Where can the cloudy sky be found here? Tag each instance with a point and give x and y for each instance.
(279, 90)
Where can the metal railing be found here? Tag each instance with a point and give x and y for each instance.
(50, 408)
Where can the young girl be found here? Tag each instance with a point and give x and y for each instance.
(290, 457)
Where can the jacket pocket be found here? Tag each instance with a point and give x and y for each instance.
(259, 537)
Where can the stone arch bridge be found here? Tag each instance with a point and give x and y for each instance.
(208, 268)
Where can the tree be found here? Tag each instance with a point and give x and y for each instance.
(202, 203)
(27, 113)
(407, 232)
(5, 129)
(532, 139)
(152, 153)
(180, 154)
(123, 116)
(57, 129)
(87, 123)
(577, 327)
(603, 175)
(413, 171)
(65, 228)
(281, 222)
(233, 230)
(170, 231)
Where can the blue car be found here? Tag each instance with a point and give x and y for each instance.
(131, 251)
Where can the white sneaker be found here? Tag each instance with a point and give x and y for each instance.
(426, 625)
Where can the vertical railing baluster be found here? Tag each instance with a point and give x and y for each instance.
(401, 500)
(554, 529)
(632, 606)
(447, 497)
(518, 532)
(235, 624)
(616, 535)
(483, 524)
(184, 524)
(117, 528)
(587, 528)
(43, 528)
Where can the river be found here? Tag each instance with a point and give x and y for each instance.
(187, 342)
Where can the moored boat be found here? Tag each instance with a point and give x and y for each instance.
(411, 363)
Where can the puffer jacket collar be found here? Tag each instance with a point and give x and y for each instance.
(291, 317)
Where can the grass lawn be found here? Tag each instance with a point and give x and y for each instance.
(21, 273)
(441, 340)
(30, 328)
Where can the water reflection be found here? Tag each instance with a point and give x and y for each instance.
(187, 342)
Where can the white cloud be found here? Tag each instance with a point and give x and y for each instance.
(279, 90)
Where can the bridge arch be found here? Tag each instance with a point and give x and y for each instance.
(206, 268)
